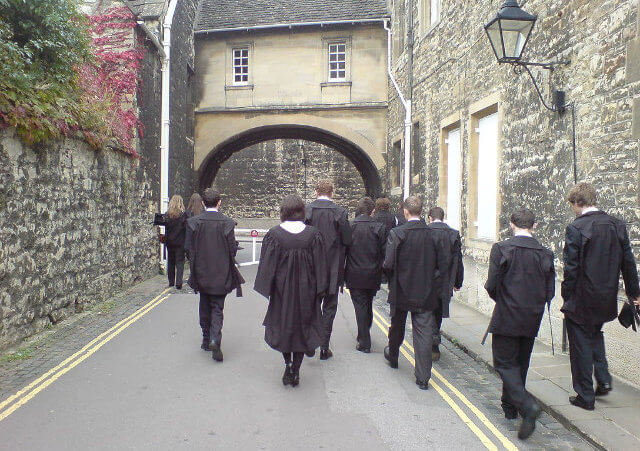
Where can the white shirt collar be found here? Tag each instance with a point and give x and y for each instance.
(590, 209)
(413, 219)
(437, 220)
(523, 233)
(211, 209)
(324, 198)
(293, 226)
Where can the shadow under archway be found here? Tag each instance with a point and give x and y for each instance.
(365, 166)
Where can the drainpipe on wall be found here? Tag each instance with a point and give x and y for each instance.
(406, 103)
(165, 118)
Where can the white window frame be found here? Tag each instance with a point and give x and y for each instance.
(487, 176)
(453, 144)
(434, 13)
(240, 69)
(333, 49)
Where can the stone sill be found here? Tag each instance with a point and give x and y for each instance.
(301, 107)
(238, 87)
(335, 83)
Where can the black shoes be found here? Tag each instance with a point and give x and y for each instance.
(579, 402)
(422, 385)
(435, 353)
(325, 354)
(205, 344)
(603, 390)
(295, 378)
(287, 377)
(528, 424)
(361, 348)
(178, 287)
(510, 414)
(216, 352)
(393, 363)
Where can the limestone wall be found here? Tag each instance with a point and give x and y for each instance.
(74, 229)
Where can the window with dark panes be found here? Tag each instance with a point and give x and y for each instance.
(396, 164)
(241, 65)
(417, 156)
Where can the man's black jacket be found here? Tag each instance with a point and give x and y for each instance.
(596, 250)
(212, 246)
(450, 245)
(333, 223)
(366, 253)
(411, 260)
(521, 281)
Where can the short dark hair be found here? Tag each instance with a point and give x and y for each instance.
(292, 209)
(413, 204)
(583, 195)
(365, 206)
(436, 213)
(211, 198)
(523, 218)
(324, 187)
(382, 204)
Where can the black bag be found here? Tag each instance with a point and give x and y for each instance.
(159, 219)
(629, 316)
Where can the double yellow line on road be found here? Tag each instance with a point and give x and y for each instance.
(13, 403)
(408, 351)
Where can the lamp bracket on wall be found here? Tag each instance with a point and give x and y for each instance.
(559, 104)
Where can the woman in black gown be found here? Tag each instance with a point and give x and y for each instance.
(292, 273)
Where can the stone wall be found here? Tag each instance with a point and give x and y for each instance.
(254, 180)
(454, 71)
(74, 229)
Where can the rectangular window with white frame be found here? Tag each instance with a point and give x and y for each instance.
(435, 12)
(337, 61)
(454, 178)
(487, 177)
(241, 66)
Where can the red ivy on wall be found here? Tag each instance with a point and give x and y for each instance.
(113, 79)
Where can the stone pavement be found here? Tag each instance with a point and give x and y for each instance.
(615, 422)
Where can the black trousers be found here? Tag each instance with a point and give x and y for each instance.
(212, 316)
(329, 309)
(437, 325)
(297, 360)
(511, 356)
(422, 324)
(588, 358)
(175, 265)
(363, 305)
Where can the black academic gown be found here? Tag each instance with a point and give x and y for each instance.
(450, 245)
(333, 223)
(596, 251)
(387, 218)
(363, 269)
(212, 246)
(411, 261)
(292, 274)
(521, 281)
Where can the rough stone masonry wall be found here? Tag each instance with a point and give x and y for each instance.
(255, 180)
(74, 229)
(455, 67)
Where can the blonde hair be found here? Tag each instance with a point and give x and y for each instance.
(176, 207)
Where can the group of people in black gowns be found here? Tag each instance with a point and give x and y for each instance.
(315, 251)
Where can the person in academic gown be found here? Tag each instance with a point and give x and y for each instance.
(212, 247)
(292, 274)
(411, 260)
(450, 245)
(521, 281)
(175, 230)
(596, 251)
(384, 216)
(333, 223)
(363, 271)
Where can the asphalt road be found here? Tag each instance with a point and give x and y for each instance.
(152, 387)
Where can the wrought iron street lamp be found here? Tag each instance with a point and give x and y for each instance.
(509, 33)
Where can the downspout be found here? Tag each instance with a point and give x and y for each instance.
(165, 110)
(406, 103)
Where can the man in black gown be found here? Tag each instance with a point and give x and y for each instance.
(363, 270)
(384, 216)
(333, 223)
(521, 281)
(411, 260)
(596, 251)
(450, 245)
(212, 246)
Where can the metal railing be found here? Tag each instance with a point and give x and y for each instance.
(253, 236)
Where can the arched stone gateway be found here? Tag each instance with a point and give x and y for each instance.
(220, 153)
